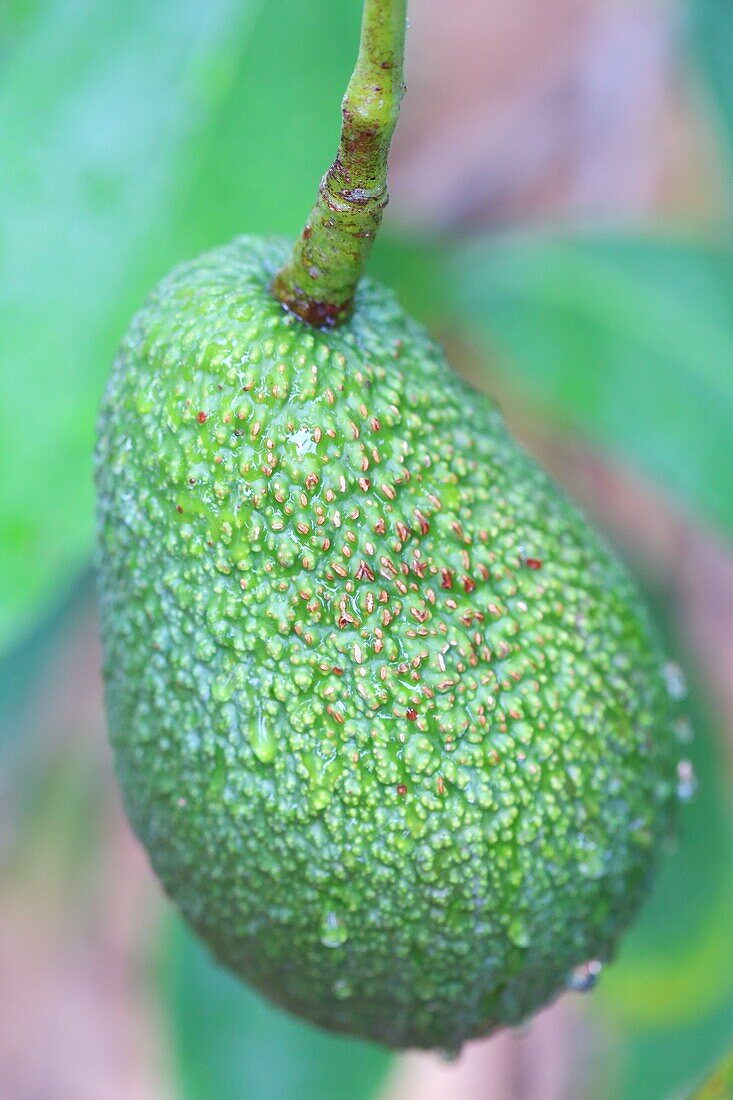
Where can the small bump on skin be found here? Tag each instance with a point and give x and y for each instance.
(364, 737)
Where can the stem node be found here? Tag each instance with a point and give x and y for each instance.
(319, 280)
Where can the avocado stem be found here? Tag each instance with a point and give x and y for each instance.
(319, 280)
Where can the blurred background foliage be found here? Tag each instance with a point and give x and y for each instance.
(562, 219)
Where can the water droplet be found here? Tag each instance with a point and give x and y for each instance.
(518, 932)
(222, 689)
(424, 987)
(450, 1054)
(686, 781)
(304, 442)
(262, 739)
(582, 978)
(333, 930)
(318, 798)
(674, 679)
(591, 858)
(217, 776)
(341, 989)
(592, 864)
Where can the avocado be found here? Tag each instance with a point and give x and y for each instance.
(389, 717)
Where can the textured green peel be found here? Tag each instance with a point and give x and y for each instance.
(388, 716)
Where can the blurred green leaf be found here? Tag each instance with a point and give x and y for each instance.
(94, 106)
(659, 1065)
(22, 670)
(629, 341)
(677, 962)
(416, 268)
(711, 33)
(131, 135)
(229, 1043)
(719, 1086)
(255, 166)
(669, 996)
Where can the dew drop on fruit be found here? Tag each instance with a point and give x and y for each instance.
(222, 689)
(518, 933)
(262, 739)
(449, 1054)
(582, 978)
(675, 681)
(218, 776)
(592, 865)
(333, 930)
(304, 441)
(686, 781)
(342, 989)
(591, 860)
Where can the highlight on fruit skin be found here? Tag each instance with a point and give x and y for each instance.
(388, 716)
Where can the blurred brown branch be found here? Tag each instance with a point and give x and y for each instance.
(529, 111)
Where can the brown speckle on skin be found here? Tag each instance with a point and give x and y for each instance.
(422, 521)
(364, 572)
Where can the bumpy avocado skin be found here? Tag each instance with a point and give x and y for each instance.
(388, 716)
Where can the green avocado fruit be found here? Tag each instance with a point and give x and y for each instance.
(388, 716)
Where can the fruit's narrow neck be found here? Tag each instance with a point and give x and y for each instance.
(319, 280)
